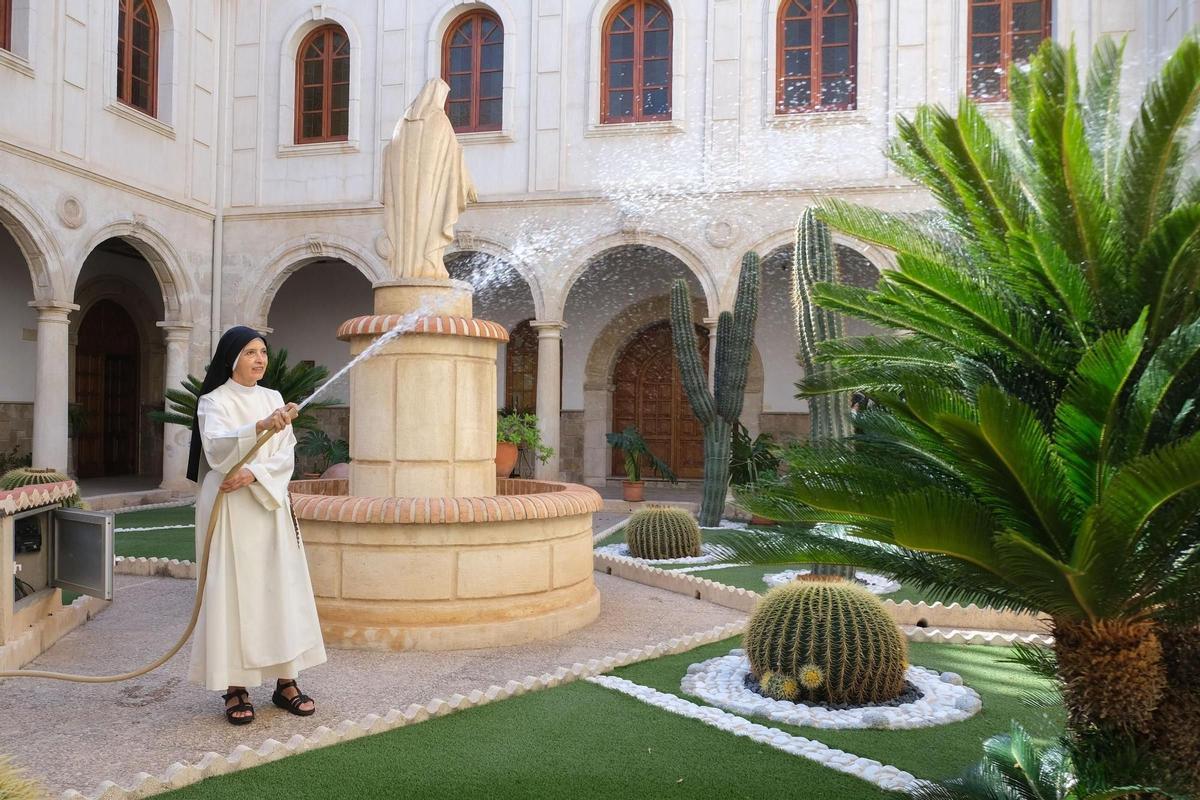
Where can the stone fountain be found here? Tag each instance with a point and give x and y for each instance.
(424, 547)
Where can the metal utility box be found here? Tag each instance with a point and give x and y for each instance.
(45, 549)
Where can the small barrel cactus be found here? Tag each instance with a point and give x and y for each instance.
(825, 641)
(660, 532)
(35, 476)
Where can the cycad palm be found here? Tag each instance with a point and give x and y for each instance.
(1035, 444)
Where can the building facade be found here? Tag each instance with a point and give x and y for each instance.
(169, 168)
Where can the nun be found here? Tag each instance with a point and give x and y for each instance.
(258, 621)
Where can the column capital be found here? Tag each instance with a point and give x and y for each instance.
(710, 322)
(548, 327)
(175, 331)
(52, 310)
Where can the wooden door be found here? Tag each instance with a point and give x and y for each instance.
(648, 393)
(106, 386)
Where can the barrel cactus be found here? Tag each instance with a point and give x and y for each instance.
(657, 533)
(825, 641)
(35, 476)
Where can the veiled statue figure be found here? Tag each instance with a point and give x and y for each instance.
(425, 186)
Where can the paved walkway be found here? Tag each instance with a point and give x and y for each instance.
(73, 736)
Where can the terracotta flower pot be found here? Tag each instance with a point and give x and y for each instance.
(506, 459)
(633, 491)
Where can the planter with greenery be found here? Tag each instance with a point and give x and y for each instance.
(752, 461)
(513, 432)
(635, 450)
(1035, 443)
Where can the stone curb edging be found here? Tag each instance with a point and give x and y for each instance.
(154, 566)
(38, 638)
(609, 531)
(867, 769)
(975, 637)
(180, 774)
(905, 613)
(176, 503)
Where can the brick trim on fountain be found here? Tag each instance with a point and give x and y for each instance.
(26, 497)
(516, 499)
(378, 324)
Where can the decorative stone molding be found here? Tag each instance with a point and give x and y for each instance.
(720, 233)
(157, 567)
(180, 774)
(383, 246)
(326, 500)
(374, 325)
(27, 497)
(70, 211)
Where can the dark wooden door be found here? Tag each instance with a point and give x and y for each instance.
(106, 387)
(648, 393)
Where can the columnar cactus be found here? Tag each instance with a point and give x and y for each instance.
(35, 476)
(827, 642)
(659, 532)
(815, 262)
(718, 410)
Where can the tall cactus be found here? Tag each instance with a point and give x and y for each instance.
(815, 262)
(718, 414)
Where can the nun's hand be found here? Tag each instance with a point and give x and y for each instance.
(244, 477)
(278, 420)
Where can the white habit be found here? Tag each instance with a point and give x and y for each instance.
(259, 620)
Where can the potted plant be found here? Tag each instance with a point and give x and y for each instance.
(752, 461)
(635, 449)
(317, 445)
(515, 430)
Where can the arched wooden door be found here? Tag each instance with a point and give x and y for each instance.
(648, 393)
(106, 387)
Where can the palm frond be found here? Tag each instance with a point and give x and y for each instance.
(1101, 107)
(1169, 265)
(1170, 374)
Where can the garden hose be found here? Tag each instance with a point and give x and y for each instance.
(200, 581)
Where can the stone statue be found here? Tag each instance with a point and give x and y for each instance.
(425, 186)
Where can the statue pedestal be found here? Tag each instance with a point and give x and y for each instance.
(426, 296)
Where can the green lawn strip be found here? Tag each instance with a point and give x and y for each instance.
(163, 543)
(937, 752)
(577, 741)
(751, 576)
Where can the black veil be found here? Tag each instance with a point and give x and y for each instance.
(232, 342)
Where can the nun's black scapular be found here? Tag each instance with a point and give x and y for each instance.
(232, 342)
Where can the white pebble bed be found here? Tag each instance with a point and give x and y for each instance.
(882, 775)
(877, 584)
(155, 528)
(722, 682)
(708, 553)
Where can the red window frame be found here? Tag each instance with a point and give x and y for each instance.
(5, 24)
(1006, 35)
(476, 41)
(637, 84)
(819, 11)
(323, 36)
(132, 17)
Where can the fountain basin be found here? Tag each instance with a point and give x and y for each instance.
(449, 573)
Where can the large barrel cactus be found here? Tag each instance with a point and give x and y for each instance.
(655, 533)
(35, 476)
(717, 410)
(825, 641)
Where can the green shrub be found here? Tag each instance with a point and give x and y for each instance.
(825, 641)
(659, 532)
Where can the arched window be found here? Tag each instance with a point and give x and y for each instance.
(1001, 33)
(636, 67)
(137, 55)
(473, 65)
(323, 86)
(816, 56)
(520, 369)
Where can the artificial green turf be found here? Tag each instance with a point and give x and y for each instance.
(169, 543)
(578, 741)
(936, 752)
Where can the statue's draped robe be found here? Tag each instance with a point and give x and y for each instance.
(425, 186)
(259, 620)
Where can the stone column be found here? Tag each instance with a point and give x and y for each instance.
(711, 324)
(549, 393)
(176, 438)
(51, 384)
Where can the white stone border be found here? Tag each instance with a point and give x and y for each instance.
(152, 528)
(180, 774)
(708, 554)
(721, 682)
(160, 567)
(876, 584)
(882, 775)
